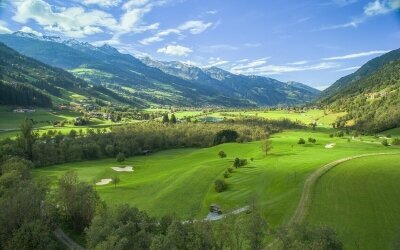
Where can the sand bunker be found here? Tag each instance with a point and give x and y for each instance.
(331, 145)
(123, 169)
(103, 182)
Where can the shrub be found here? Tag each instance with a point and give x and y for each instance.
(220, 185)
(301, 141)
(331, 135)
(385, 142)
(251, 159)
(312, 140)
(340, 134)
(221, 154)
(396, 141)
(226, 174)
(120, 157)
(239, 162)
(230, 170)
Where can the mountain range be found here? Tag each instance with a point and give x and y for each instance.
(149, 82)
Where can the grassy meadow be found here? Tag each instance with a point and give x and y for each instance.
(360, 199)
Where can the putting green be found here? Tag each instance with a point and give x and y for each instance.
(361, 200)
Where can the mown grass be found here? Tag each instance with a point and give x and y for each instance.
(181, 181)
(361, 200)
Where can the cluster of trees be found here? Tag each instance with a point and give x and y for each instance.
(22, 95)
(130, 140)
(30, 213)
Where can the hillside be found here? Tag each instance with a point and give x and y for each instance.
(372, 66)
(28, 82)
(153, 84)
(372, 101)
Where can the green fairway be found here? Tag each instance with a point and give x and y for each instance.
(361, 200)
(181, 181)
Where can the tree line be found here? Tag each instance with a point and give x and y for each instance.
(134, 139)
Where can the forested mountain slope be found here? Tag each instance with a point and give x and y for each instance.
(372, 66)
(130, 77)
(27, 82)
(372, 102)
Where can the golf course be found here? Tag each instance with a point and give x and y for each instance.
(181, 181)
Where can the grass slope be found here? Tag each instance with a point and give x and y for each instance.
(181, 181)
(361, 200)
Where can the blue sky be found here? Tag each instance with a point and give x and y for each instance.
(311, 41)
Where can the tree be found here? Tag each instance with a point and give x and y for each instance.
(27, 138)
(120, 157)
(312, 140)
(256, 231)
(77, 200)
(220, 185)
(165, 118)
(385, 142)
(236, 163)
(301, 141)
(266, 146)
(221, 154)
(227, 135)
(173, 119)
(115, 180)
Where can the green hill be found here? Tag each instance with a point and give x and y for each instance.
(370, 96)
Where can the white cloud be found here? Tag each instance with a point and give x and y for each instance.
(175, 50)
(102, 3)
(73, 21)
(348, 69)
(27, 29)
(195, 26)
(298, 63)
(279, 69)
(356, 55)
(374, 8)
(377, 8)
(251, 65)
(212, 12)
(215, 61)
(3, 28)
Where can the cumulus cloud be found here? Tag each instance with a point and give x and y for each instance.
(175, 50)
(27, 29)
(73, 21)
(356, 55)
